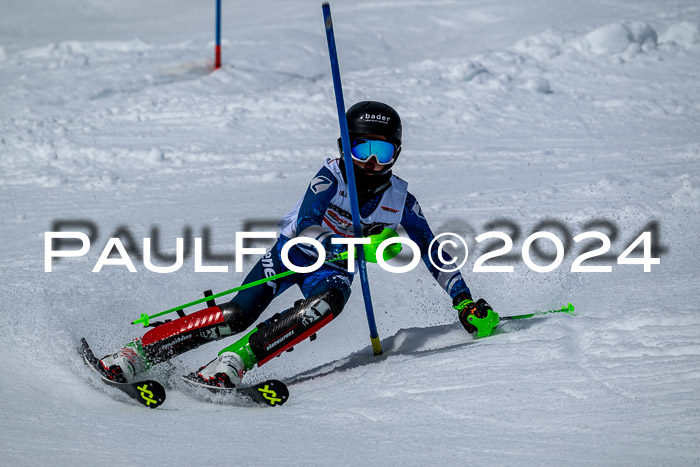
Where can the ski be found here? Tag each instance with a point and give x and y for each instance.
(148, 393)
(271, 392)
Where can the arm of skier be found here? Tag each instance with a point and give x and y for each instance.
(313, 207)
(419, 231)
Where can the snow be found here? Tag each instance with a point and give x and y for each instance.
(684, 33)
(582, 113)
(619, 37)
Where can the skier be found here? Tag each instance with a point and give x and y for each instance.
(322, 213)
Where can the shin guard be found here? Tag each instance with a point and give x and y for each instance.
(189, 332)
(285, 330)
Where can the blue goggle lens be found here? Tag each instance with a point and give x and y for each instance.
(364, 149)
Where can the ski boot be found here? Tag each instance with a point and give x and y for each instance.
(270, 338)
(225, 371)
(123, 366)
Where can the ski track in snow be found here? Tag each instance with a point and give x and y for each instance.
(519, 111)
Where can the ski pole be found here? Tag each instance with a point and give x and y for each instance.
(568, 309)
(350, 174)
(146, 318)
(376, 241)
(485, 326)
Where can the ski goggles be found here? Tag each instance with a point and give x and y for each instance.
(363, 149)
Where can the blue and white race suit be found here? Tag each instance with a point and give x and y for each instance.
(323, 212)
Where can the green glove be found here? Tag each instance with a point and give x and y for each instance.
(371, 248)
(477, 316)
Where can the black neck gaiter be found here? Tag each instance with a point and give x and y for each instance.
(368, 186)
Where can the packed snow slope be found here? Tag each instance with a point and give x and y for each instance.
(584, 113)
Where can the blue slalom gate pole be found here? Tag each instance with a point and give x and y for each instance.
(352, 191)
(217, 60)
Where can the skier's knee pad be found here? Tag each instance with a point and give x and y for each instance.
(189, 332)
(236, 318)
(292, 326)
(339, 282)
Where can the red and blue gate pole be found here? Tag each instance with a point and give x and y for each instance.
(217, 61)
(354, 204)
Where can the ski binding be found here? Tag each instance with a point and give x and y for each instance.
(148, 393)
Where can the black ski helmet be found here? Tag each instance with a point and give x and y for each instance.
(374, 118)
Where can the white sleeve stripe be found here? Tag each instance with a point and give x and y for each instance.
(324, 236)
(444, 278)
(312, 231)
(452, 283)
